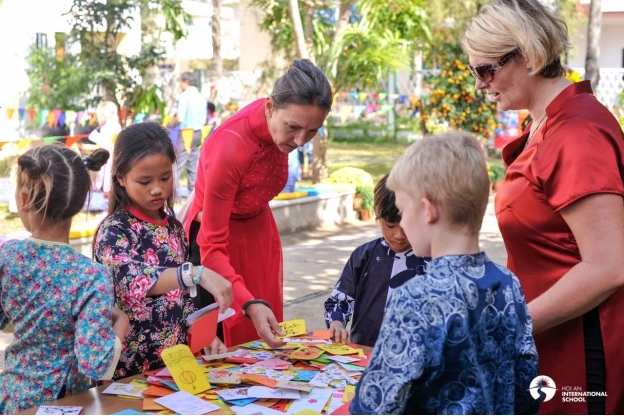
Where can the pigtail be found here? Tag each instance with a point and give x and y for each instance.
(35, 180)
(96, 160)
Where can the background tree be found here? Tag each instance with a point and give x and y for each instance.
(217, 60)
(592, 67)
(99, 25)
(356, 43)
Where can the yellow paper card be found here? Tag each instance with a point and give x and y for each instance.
(184, 369)
(337, 349)
(293, 328)
(349, 393)
(360, 353)
(307, 412)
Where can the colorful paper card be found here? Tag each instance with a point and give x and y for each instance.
(363, 362)
(277, 375)
(314, 401)
(241, 402)
(351, 367)
(218, 376)
(255, 409)
(219, 356)
(293, 328)
(306, 341)
(304, 375)
(262, 392)
(343, 359)
(171, 384)
(130, 412)
(257, 355)
(185, 403)
(254, 345)
(258, 379)
(183, 366)
(241, 360)
(335, 402)
(123, 389)
(293, 385)
(338, 349)
(287, 346)
(234, 394)
(273, 364)
(306, 353)
(59, 410)
(224, 408)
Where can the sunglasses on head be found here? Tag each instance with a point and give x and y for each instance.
(485, 72)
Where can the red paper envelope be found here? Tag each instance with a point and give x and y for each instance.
(203, 328)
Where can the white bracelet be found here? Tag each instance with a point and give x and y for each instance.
(187, 275)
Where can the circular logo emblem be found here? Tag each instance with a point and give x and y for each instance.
(542, 388)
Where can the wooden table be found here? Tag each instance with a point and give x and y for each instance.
(93, 402)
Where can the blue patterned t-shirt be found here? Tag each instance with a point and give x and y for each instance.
(457, 340)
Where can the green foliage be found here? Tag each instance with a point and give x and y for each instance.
(147, 100)
(377, 39)
(368, 197)
(99, 25)
(453, 97)
(354, 176)
(496, 172)
(55, 83)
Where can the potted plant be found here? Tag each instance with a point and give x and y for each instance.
(368, 201)
(357, 177)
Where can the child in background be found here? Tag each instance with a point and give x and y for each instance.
(144, 247)
(59, 302)
(373, 271)
(458, 339)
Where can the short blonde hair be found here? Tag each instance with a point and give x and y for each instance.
(449, 170)
(539, 33)
(107, 111)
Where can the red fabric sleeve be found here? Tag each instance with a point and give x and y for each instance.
(227, 159)
(579, 157)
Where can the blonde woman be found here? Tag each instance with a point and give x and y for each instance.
(104, 136)
(560, 208)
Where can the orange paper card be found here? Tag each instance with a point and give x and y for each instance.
(258, 379)
(157, 391)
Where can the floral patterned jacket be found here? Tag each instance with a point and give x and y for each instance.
(137, 250)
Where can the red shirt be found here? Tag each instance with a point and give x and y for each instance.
(578, 152)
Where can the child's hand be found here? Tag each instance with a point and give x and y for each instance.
(219, 287)
(217, 347)
(338, 333)
(120, 323)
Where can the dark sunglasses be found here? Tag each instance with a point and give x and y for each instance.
(485, 72)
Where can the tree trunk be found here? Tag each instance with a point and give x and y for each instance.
(341, 26)
(217, 61)
(295, 16)
(309, 26)
(319, 154)
(592, 68)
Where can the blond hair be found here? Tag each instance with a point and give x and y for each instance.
(107, 112)
(539, 33)
(450, 171)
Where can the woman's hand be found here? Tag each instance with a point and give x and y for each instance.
(266, 324)
(217, 347)
(337, 332)
(219, 287)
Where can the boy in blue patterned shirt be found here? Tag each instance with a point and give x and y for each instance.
(458, 339)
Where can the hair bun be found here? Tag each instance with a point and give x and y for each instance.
(96, 160)
(30, 166)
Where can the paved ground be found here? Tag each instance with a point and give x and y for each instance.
(313, 261)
